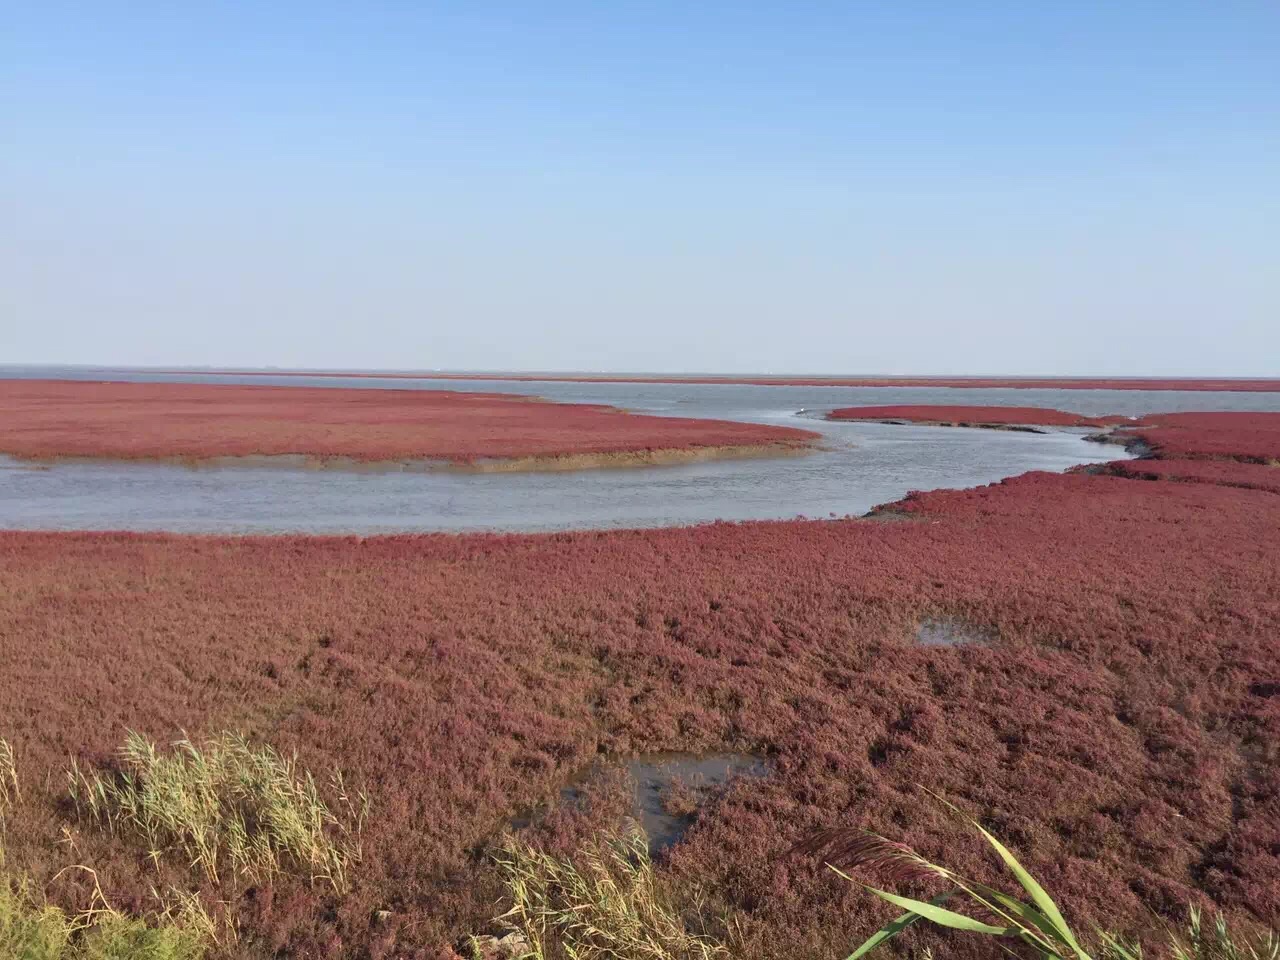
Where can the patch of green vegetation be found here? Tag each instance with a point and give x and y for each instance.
(31, 929)
(1029, 923)
(226, 804)
(603, 904)
(10, 789)
(1219, 944)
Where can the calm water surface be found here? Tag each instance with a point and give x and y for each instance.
(861, 465)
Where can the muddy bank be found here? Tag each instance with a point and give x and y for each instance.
(1131, 443)
(554, 463)
(1227, 473)
(632, 458)
(1027, 419)
(1015, 427)
(663, 793)
(1241, 437)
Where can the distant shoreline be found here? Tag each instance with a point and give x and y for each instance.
(1198, 384)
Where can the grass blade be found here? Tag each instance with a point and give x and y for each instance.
(1048, 908)
(1024, 913)
(938, 915)
(893, 928)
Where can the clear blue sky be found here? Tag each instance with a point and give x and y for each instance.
(945, 187)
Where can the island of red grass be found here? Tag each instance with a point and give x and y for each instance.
(1253, 437)
(945, 415)
(49, 419)
(1120, 729)
(1198, 384)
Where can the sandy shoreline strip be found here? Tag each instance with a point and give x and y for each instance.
(1025, 419)
(618, 460)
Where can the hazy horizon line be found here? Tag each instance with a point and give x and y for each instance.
(602, 373)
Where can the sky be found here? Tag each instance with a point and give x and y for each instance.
(791, 187)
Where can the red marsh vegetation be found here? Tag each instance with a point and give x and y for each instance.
(1119, 727)
(1198, 384)
(983, 416)
(49, 419)
(1252, 437)
(1250, 476)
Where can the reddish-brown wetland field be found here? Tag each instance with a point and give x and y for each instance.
(49, 419)
(1105, 697)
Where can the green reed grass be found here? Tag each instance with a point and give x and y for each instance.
(10, 788)
(603, 904)
(1197, 943)
(1029, 923)
(227, 805)
(32, 929)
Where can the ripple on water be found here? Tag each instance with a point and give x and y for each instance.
(952, 633)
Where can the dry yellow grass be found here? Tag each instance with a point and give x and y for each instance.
(227, 806)
(603, 904)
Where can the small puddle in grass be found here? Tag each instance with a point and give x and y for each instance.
(951, 633)
(668, 789)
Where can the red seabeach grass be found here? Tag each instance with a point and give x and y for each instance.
(1252, 437)
(49, 419)
(1120, 726)
(1229, 473)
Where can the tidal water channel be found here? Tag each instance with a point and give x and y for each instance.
(857, 466)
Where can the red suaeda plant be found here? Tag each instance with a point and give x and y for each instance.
(1120, 726)
(973, 416)
(46, 419)
(1253, 437)
(1229, 473)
